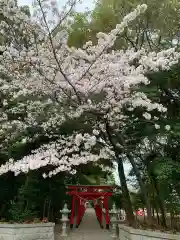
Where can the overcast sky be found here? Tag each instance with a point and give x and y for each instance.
(80, 7)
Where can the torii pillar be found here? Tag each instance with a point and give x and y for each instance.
(81, 194)
(106, 207)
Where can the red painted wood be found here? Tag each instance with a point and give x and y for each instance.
(78, 212)
(98, 211)
(91, 194)
(90, 187)
(107, 220)
(72, 210)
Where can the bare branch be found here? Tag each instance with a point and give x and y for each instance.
(54, 53)
(65, 16)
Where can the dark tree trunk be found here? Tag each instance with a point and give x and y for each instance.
(2, 209)
(172, 220)
(143, 189)
(44, 208)
(160, 202)
(158, 219)
(153, 212)
(49, 209)
(125, 191)
(154, 183)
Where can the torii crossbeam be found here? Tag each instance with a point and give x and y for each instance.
(82, 193)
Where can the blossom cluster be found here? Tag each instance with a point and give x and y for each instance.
(64, 155)
(44, 82)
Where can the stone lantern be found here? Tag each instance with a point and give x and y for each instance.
(114, 222)
(65, 211)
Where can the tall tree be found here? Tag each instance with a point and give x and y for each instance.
(53, 84)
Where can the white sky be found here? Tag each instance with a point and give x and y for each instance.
(86, 4)
(80, 7)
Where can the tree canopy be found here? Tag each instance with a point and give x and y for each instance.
(73, 104)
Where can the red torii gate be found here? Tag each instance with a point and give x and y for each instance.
(83, 193)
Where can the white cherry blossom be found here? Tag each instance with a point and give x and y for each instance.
(45, 83)
(157, 126)
(167, 127)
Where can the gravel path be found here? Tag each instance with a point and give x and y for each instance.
(89, 229)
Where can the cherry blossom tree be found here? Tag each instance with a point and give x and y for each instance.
(51, 83)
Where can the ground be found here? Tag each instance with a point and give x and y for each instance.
(89, 229)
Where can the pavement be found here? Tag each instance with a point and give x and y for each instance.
(89, 229)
